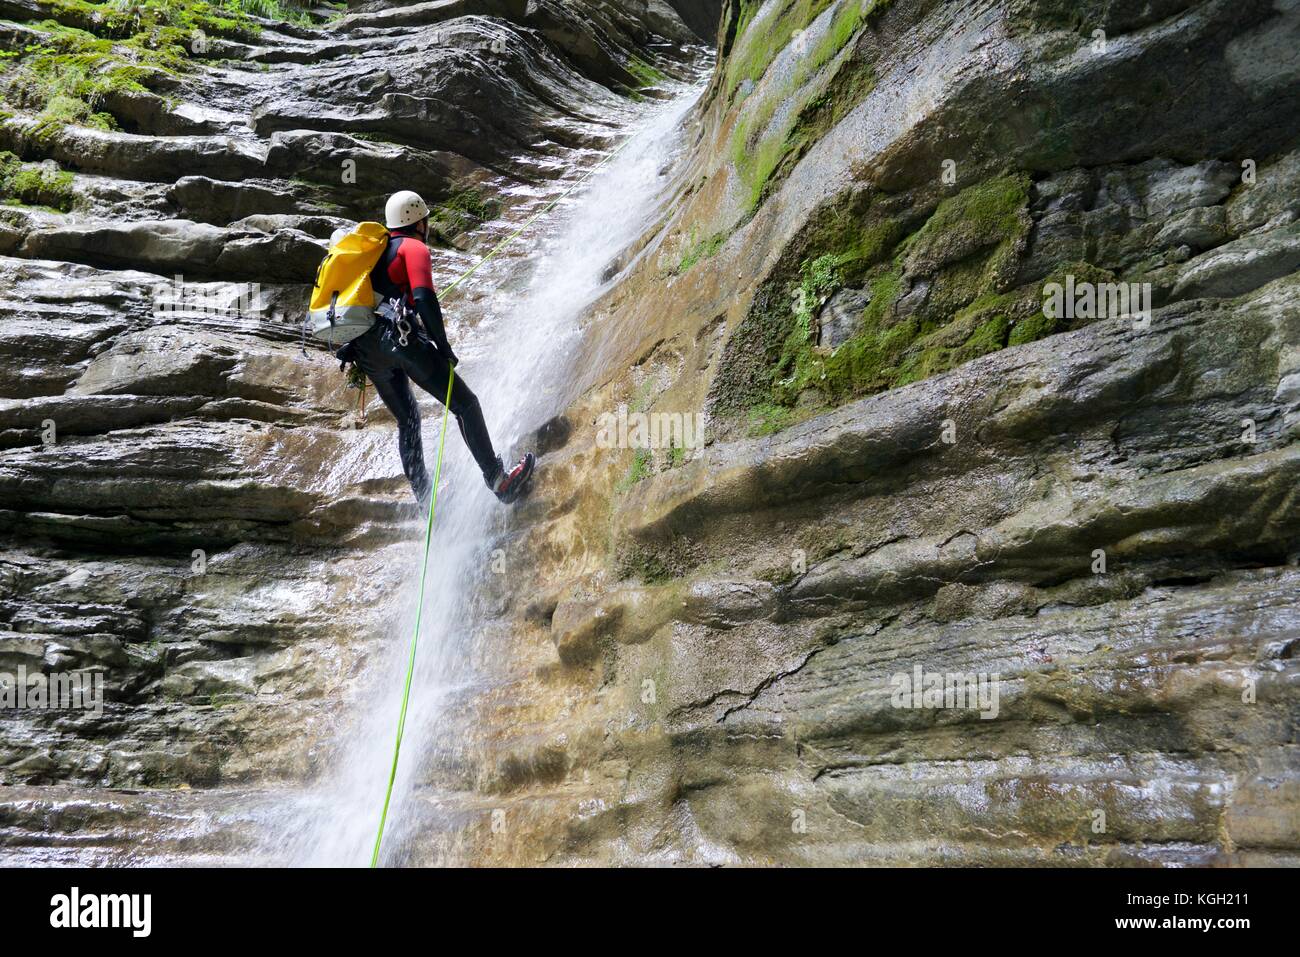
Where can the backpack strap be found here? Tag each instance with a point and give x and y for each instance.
(379, 275)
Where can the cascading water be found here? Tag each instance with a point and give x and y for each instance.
(518, 364)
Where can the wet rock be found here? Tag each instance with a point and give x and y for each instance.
(1171, 189)
(319, 227)
(213, 201)
(726, 604)
(1199, 228)
(996, 600)
(1241, 266)
(784, 579)
(182, 247)
(133, 156)
(841, 316)
(211, 678)
(1272, 201)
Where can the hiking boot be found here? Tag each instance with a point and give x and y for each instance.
(507, 486)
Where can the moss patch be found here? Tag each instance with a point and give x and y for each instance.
(776, 128)
(645, 74)
(758, 48)
(464, 210)
(32, 184)
(655, 564)
(91, 50)
(935, 299)
(639, 469)
(1038, 324)
(986, 214)
(766, 418)
(700, 249)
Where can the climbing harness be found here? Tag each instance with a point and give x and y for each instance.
(433, 504)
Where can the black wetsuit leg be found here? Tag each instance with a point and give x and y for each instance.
(392, 367)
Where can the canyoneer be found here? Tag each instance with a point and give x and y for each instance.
(374, 300)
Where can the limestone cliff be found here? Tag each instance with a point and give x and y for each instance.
(908, 463)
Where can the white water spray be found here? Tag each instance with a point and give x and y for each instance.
(520, 361)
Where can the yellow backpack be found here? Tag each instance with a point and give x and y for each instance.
(343, 301)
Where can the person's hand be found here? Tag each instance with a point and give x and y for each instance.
(450, 356)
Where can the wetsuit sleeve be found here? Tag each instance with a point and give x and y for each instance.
(419, 275)
(426, 304)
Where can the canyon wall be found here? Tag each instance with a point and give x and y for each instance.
(188, 503)
(911, 468)
(908, 467)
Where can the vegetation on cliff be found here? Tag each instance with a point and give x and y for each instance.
(929, 300)
(34, 184)
(65, 66)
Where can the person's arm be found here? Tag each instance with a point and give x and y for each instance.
(419, 272)
(426, 304)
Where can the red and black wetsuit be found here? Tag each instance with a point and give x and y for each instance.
(404, 272)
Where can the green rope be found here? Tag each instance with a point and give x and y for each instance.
(419, 614)
(437, 475)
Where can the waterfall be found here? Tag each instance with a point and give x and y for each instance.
(517, 364)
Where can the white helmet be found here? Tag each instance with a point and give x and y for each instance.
(404, 208)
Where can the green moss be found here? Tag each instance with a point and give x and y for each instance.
(639, 469)
(642, 564)
(462, 211)
(757, 49)
(865, 362)
(887, 352)
(43, 185)
(769, 355)
(986, 214)
(1035, 324)
(756, 150)
(964, 251)
(852, 83)
(850, 18)
(284, 10)
(821, 277)
(968, 337)
(643, 396)
(90, 50)
(655, 563)
(646, 74)
(767, 418)
(701, 249)
(1032, 328)
(811, 100)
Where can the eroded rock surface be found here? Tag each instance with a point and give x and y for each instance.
(909, 466)
(186, 500)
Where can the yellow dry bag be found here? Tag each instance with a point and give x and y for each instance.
(343, 301)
